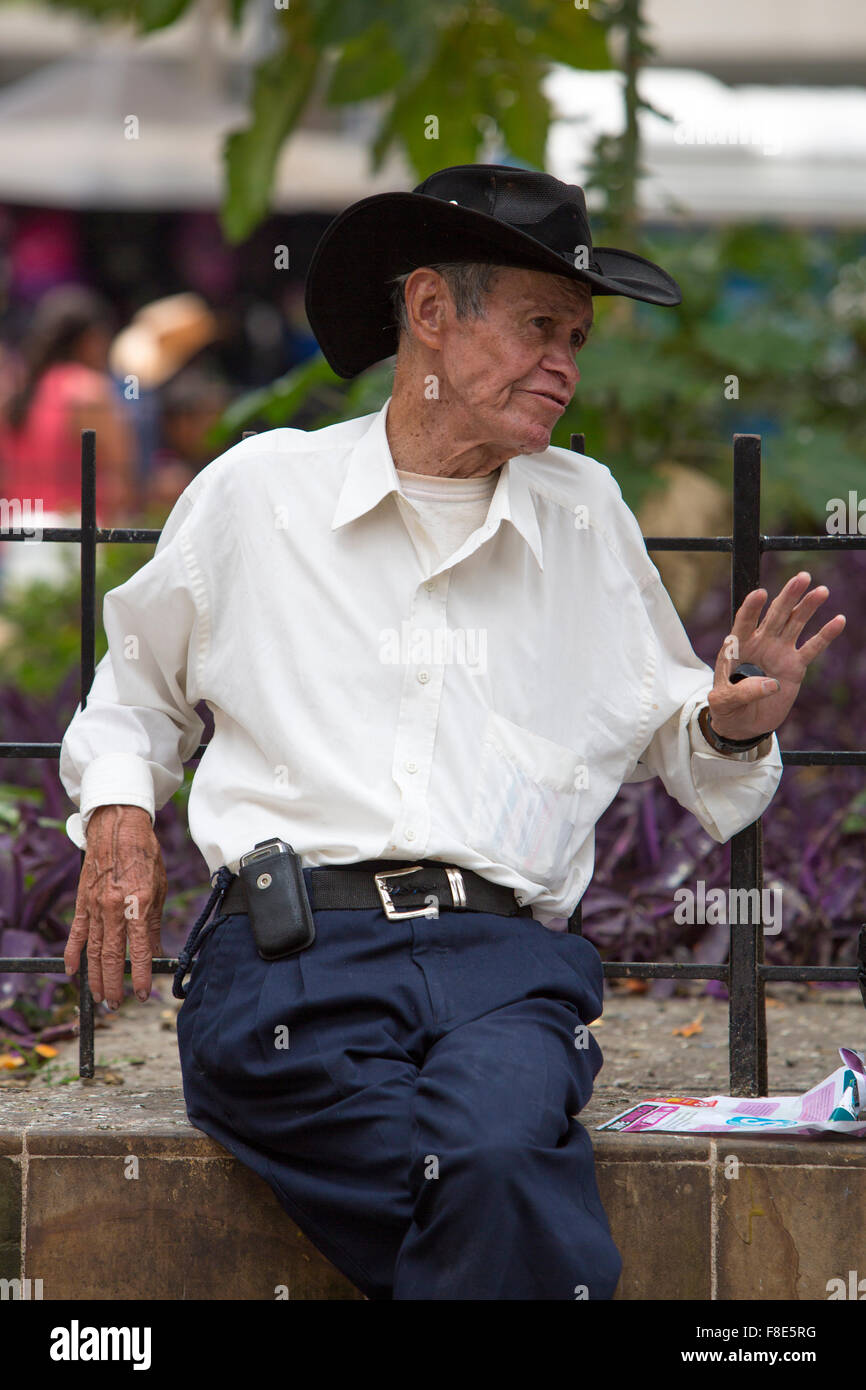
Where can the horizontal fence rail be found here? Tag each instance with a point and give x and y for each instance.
(744, 974)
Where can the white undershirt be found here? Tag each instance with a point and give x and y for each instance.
(449, 509)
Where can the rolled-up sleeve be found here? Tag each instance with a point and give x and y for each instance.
(725, 792)
(139, 725)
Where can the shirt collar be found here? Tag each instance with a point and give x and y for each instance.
(371, 475)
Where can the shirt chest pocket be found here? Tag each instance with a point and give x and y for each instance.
(525, 799)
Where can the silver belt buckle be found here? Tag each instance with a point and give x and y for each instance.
(391, 911)
(455, 883)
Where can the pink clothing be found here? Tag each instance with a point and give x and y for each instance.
(43, 459)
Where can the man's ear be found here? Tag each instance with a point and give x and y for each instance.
(427, 304)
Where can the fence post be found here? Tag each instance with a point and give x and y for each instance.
(88, 630)
(575, 921)
(747, 1030)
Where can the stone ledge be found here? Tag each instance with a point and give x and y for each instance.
(196, 1224)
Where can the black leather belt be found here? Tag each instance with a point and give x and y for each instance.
(400, 888)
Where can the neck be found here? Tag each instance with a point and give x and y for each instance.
(427, 436)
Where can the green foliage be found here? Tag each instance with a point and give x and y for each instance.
(481, 78)
(781, 311)
(366, 67)
(146, 15)
(46, 621)
(474, 66)
(282, 87)
(313, 388)
(159, 14)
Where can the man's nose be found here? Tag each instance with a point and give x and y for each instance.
(561, 360)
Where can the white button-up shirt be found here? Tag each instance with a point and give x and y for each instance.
(368, 703)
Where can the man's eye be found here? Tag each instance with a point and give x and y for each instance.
(577, 340)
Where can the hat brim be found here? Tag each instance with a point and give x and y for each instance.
(347, 298)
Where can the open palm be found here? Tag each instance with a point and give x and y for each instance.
(742, 709)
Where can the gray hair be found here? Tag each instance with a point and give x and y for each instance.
(468, 281)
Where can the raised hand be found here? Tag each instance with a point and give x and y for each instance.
(757, 704)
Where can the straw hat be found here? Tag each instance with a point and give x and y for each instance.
(161, 338)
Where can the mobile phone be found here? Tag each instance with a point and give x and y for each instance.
(279, 909)
(744, 670)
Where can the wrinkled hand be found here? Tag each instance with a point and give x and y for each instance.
(121, 890)
(757, 705)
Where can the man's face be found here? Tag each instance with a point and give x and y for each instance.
(509, 376)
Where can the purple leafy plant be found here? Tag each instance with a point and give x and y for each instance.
(814, 830)
(646, 844)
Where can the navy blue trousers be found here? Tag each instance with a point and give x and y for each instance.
(408, 1090)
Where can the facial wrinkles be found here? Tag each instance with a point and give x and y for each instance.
(500, 358)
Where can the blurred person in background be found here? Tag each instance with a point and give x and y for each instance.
(298, 337)
(62, 386)
(191, 403)
(146, 359)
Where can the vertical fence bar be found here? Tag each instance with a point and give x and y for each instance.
(747, 1033)
(575, 921)
(88, 631)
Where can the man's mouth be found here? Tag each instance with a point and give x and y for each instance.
(548, 396)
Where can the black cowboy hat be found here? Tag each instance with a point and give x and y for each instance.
(470, 212)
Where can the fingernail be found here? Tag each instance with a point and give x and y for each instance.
(772, 685)
(143, 995)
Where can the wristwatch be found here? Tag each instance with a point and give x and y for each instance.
(725, 745)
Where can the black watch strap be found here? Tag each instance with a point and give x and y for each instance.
(726, 745)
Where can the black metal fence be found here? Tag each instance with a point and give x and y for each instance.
(745, 973)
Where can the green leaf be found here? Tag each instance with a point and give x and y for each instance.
(480, 74)
(367, 67)
(555, 30)
(158, 14)
(335, 22)
(816, 463)
(110, 10)
(11, 791)
(450, 99)
(276, 403)
(854, 821)
(283, 85)
(411, 29)
(525, 121)
(766, 346)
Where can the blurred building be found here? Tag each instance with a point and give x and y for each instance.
(778, 42)
(766, 97)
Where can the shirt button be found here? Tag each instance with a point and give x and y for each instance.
(423, 677)
(429, 585)
(410, 834)
(411, 767)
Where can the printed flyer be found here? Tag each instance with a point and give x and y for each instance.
(835, 1106)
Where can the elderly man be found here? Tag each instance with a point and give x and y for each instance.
(434, 648)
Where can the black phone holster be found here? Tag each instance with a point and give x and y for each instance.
(280, 914)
